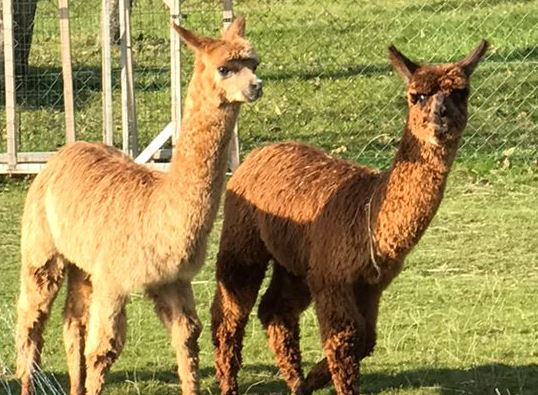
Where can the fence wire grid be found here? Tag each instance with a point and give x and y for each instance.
(324, 65)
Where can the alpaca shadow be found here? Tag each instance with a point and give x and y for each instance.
(484, 379)
(264, 379)
(158, 382)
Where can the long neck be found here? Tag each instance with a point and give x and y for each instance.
(199, 161)
(410, 194)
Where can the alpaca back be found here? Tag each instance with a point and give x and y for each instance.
(97, 209)
(295, 194)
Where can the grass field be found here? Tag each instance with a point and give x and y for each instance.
(462, 317)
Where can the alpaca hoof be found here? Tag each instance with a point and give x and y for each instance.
(233, 391)
(26, 389)
(302, 391)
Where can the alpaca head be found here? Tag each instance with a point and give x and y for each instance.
(227, 65)
(437, 95)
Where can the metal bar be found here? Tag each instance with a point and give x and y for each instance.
(125, 129)
(227, 13)
(106, 73)
(133, 124)
(29, 157)
(34, 168)
(22, 168)
(67, 71)
(175, 69)
(157, 143)
(233, 159)
(9, 75)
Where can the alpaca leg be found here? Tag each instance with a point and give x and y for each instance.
(367, 298)
(342, 328)
(79, 291)
(39, 286)
(174, 304)
(106, 335)
(286, 298)
(238, 283)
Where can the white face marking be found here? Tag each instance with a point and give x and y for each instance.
(434, 141)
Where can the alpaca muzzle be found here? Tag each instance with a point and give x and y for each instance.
(255, 90)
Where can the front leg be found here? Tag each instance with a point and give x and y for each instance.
(174, 304)
(367, 298)
(342, 332)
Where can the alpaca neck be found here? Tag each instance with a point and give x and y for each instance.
(199, 161)
(410, 194)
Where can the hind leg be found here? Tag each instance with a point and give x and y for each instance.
(286, 298)
(79, 291)
(39, 287)
(174, 304)
(241, 266)
(106, 334)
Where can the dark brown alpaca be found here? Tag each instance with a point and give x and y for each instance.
(337, 233)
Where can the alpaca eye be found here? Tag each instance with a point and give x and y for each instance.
(419, 98)
(224, 71)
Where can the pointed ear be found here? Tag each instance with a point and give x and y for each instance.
(192, 40)
(402, 64)
(236, 28)
(470, 62)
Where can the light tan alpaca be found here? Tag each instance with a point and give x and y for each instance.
(116, 226)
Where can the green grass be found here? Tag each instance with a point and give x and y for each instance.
(461, 318)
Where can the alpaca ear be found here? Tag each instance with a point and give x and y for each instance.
(236, 28)
(402, 64)
(192, 40)
(470, 62)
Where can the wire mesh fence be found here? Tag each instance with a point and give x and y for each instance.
(327, 78)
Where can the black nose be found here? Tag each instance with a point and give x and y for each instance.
(256, 86)
(443, 112)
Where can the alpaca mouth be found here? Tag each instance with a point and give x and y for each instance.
(439, 129)
(254, 95)
(439, 133)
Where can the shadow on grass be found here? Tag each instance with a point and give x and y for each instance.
(524, 54)
(264, 379)
(43, 86)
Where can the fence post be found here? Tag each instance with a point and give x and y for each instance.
(128, 104)
(9, 73)
(106, 73)
(233, 159)
(67, 71)
(175, 69)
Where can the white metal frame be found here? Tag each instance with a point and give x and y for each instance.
(14, 162)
